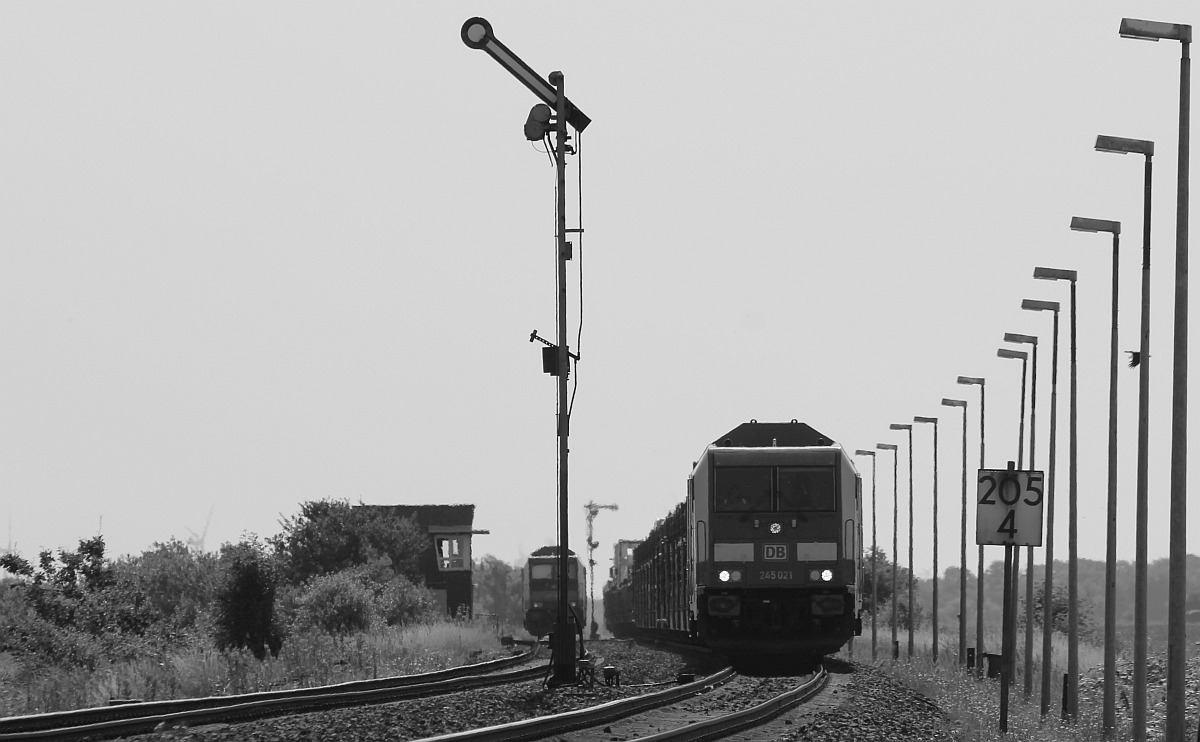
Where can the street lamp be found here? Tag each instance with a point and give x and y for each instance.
(1133, 28)
(1013, 553)
(895, 535)
(1080, 224)
(898, 426)
(874, 578)
(962, 556)
(1047, 585)
(933, 420)
(477, 33)
(1144, 147)
(973, 381)
(1071, 702)
(1012, 337)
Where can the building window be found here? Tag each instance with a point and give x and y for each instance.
(454, 553)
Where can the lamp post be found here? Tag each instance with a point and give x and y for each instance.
(1177, 586)
(1048, 582)
(962, 555)
(934, 421)
(874, 578)
(1014, 552)
(978, 381)
(899, 426)
(1012, 337)
(895, 534)
(477, 33)
(1071, 702)
(1081, 224)
(1121, 145)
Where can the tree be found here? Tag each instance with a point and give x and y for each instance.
(884, 569)
(498, 590)
(245, 600)
(330, 536)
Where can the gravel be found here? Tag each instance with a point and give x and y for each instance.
(642, 670)
(861, 704)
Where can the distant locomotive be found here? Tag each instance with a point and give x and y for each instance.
(539, 588)
(763, 558)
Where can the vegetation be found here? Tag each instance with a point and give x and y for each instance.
(335, 596)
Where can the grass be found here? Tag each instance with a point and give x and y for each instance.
(306, 660)
(973, 705)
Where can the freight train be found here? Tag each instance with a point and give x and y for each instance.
(762, 560)
(539, 588)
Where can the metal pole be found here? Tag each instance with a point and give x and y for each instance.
(979, 576)
(962, 554)
(1110, 561)
(1176, 580)
(1048, 584)
(1143, 456)
(874, 574)
(1028, 679)
(1072, 701)
(564, 650)
(935, 540)
(1009, 654)
(895, 539)
(911, 605)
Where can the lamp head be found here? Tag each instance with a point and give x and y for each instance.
(861, 452)
(1083, 224)
(1133, 28)
(1123, 146)
(1055, 274)
(921, 419)
(1012, 337)
(899, 426)
(970, 380)
(886, 446)
(1037, 305)
(1006, 353)
(954, 402)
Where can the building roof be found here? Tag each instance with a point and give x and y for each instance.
(431, 515)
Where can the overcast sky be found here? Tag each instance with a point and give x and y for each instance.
(261, 253)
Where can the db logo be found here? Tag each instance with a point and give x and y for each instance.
(775, 552)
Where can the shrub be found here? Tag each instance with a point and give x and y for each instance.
(244, 613)
(336, 604)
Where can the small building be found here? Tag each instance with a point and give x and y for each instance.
(446, 564)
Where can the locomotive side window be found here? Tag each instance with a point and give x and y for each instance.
(742, 489)
(807, 489)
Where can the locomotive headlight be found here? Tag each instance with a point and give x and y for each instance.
(827, 575)
(735, 575)
(723, 575)
(776, 528)
(814, 575)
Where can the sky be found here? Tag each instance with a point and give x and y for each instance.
(261, 253)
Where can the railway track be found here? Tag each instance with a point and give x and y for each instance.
(140, 718)
(676, 714)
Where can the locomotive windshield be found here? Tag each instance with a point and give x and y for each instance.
(807, 489)
(765, 489)
(743, 489)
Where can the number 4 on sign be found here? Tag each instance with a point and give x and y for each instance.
(1009, 511)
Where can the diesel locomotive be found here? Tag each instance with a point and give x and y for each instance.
(539, 588)
(762, 560)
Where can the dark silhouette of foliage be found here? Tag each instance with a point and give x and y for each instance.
(498, 590)
(245, 600)
(330, 536)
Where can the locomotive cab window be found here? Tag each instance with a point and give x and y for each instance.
(807, 489)
(541, 572)
(743, 489)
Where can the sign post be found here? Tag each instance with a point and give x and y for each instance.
(1008, 513)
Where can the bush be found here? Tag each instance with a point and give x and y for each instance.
(336, 604)
(245, 601)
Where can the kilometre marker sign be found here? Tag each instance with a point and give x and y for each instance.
(1009, 511)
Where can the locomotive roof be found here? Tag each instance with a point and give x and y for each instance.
(549, 551)
(762, 435)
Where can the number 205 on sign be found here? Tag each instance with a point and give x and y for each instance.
(1009, 511)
